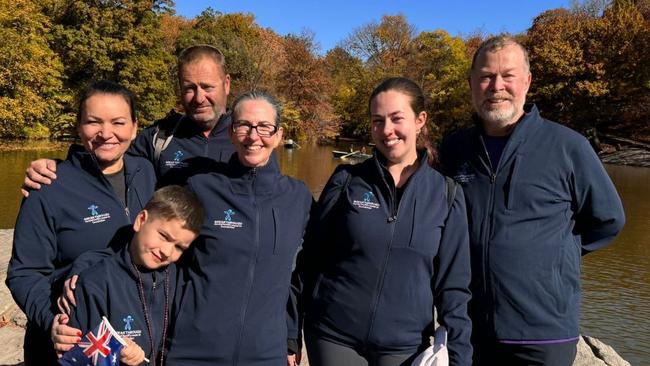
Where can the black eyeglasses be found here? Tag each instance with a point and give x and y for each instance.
(264, 129)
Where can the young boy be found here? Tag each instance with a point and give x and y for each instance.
(134, 287)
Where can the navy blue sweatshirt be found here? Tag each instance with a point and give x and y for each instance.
(373, 267)
(110, 288)
(78, 212)
(548, 201)
(190, 152)
(232, 305)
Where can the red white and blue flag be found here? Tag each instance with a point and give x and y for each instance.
(101, 347)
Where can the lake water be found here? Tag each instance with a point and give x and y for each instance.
(616, 280)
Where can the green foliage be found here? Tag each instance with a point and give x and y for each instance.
(31, 89)
(435, 60)
(37, 131)
(440, 65)
(116, 40)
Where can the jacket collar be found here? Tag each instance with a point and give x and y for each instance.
(526, 122)
(190, 128)
(379, 162)
(261, 178)
(86, 161)
(524, 128)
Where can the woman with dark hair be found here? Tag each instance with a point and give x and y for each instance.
(388, 243)
(99, 191)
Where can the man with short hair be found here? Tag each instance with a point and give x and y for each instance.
(200, 137)
(537, 199)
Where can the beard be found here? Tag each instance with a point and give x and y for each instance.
(504, 114)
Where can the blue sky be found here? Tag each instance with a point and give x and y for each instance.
(332, 21)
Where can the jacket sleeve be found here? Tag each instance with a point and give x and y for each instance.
(88, 259)
(451, 283)
(143, 144)
(598, 210)
(91, 306)
(294, 339)
(31, 271)
(310, 256)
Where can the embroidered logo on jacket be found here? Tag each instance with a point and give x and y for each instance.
(368, 202)
(95, 216)
(227, 222)
(464, 174)
(176, 163)
(128, 331)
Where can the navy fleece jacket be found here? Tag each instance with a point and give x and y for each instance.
(374, 266)
(548, 201)
(232, 301)
(110, 288)
(78, 212)
(190, 152)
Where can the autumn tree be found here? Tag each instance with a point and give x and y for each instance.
(439, 64)
(383, 46)
(116, 40)
(590, 71)
(31, 74)
(351, 87)
(172, 26)
(251, 52)
(303, 85)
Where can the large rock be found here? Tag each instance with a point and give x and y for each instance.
(592, 352)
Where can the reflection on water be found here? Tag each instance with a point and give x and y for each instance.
(12, 166)
(616, 296)
(616, 280)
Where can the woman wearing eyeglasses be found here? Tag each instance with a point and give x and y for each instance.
(233, 297)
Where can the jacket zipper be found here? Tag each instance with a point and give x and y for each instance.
(127, 213)
(251, 268)
(392, 220)
(488, 226)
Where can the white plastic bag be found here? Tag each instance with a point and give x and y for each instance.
(436, 354)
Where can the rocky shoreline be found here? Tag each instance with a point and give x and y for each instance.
(591, 352)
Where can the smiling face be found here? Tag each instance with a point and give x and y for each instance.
(499, 83)
(395, 127)
(204, 91)
(158, 242)
(252, 149)
(106, 129)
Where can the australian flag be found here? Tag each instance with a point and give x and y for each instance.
(101, 347)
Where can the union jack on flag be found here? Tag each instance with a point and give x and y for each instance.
(99, 348)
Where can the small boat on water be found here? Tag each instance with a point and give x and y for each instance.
(290, 144)
(358, 155)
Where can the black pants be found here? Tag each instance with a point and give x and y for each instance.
(494, 353)
(324, 353)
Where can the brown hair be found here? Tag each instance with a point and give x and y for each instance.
(411, 89)
(176, 202)
(194, 53)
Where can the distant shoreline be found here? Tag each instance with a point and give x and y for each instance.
(626, 155)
